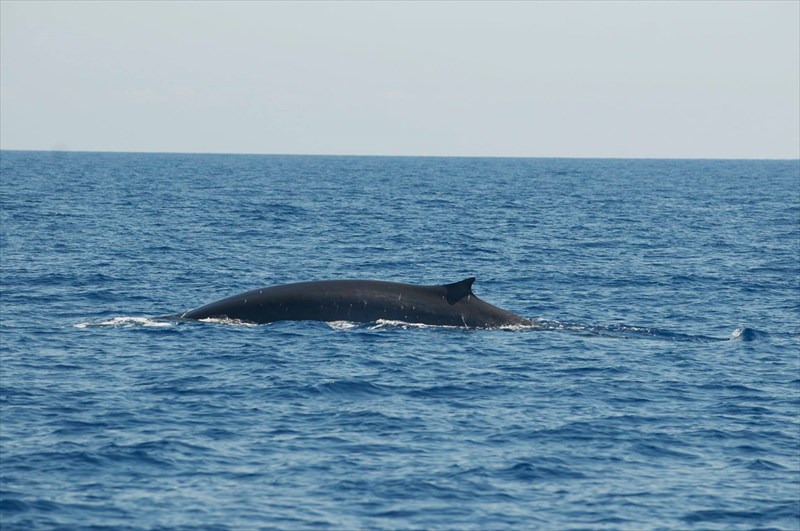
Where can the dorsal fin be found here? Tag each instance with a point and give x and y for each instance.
(458, 290)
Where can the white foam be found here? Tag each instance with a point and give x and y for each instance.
(521, 327)
(226, 321)
(381, 324)
(388, 324)
(342, 325)
(126, 322)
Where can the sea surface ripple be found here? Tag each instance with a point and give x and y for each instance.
(658, 389)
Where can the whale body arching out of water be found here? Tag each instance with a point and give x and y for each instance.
(361, 301)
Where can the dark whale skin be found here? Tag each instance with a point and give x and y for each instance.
(361, 301)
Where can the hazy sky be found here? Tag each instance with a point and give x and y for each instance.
(627, 79)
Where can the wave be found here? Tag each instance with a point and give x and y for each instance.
(126, 322)
(747, 334)
(623, 331)
(619, 331)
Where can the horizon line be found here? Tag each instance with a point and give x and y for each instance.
(587, 157)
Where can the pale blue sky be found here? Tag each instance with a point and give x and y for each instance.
(537, 79)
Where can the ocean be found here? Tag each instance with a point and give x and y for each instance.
(658, 389)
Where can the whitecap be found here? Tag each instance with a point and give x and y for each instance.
(127, 322)
(342, 325)
(227, 321)
(746, 334)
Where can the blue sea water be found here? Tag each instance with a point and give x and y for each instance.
(659, 389)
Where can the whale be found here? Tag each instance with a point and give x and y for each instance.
(360, 301)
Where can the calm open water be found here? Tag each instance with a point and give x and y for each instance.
(660, 388)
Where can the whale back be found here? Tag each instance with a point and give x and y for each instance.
(361, 301)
